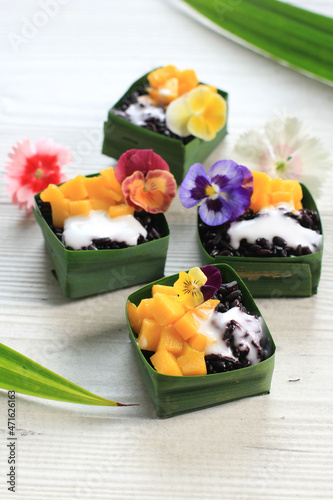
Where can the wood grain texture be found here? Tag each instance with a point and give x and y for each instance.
(60, 83)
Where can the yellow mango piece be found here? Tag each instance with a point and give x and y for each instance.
(110, 179)
(60, 212)
(296, 189)
(165, 362)
(96, 188)
(99, 204)
(187, 81)
(186, 348)
(159, 76)
(149, 335)
(167, 290)
(52, 193)
(259, 198)
(276, 184)
(204, 310)
(166, 309)
(198, 341)
(145, 308)
(75, 189)
(187, 325)
(278, 197)
(133, 317)
(82, 207)
(171, 340)
(119, 210)
(192, 363)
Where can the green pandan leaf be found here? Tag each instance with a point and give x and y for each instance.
(21, 374)
(293, 36)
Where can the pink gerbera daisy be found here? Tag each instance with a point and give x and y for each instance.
(30, 172)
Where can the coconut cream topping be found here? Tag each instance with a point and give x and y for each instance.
(272, 222)
(139, 112)
(247, 332)
(80, 230)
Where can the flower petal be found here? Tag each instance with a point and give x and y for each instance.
(177, 116)
(197, 276)
(198, 98)
(193, 187)
(215, 211)
(213, 283)
(226, 174)
(198, 127)
(138, 159)
(215, 112)
(153, 193)
(239, 200)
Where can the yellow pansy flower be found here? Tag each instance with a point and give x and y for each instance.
(188, 287)
(201, 112)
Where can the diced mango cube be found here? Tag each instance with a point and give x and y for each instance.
(99, 204)
(52, 193)
(205, 309)
(133, 317)
(168, 290)
(149, 335)
(198, 341)
(110, 179)
(75, 189)
(259, 198)
(187, 325)
(276, 184)
(171, 340)
(82, 207)
(145, 308)
(186, 348)
(166, 309)
(278, 197)
(119, 210)
(96, 187)
(165, 362)
(192, 363)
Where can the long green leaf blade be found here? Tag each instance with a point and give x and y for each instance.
(21, 374)
(294, 36)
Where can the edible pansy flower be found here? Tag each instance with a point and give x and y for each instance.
(201, 112)
(168, 83)
(285, 149)
(30, 172)
(198, 285)
(146, 180)
(225, 192)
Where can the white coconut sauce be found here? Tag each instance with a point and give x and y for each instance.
(248, 333)
(138, 113)
(80, 230)
(272, 222)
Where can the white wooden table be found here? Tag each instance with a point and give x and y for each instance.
(59, 82)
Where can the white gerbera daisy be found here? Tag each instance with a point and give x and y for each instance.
(285, 149)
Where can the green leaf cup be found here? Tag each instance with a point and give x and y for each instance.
(172, 395)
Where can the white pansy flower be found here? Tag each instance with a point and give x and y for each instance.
(286, 149)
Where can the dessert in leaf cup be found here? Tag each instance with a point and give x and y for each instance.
(268, 229)
(200, 332)
(171, 111)
(97, 224)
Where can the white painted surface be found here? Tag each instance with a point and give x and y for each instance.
(60, 84)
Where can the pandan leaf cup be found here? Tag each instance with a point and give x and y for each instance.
(276, 277)
(81, 273)
(173, 395)
(121, 135)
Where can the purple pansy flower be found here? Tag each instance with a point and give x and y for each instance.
(213, 283)
(225, 193)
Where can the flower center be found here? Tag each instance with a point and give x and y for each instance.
(211, 190)
(39, 173)
(280, 166)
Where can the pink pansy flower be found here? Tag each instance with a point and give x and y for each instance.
(30, 172)
(146, 180)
